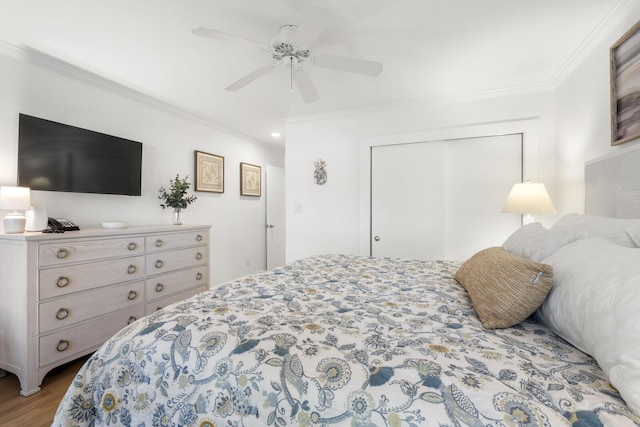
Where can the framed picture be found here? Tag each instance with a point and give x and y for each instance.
(625, 87)
(250, 180)
(209, 172)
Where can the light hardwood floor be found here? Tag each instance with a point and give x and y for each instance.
(38, 409)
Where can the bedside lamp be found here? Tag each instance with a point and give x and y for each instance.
(15, 198)
(528, 198)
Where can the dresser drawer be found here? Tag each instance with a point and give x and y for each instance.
(85, 250)
(162, 303)
(166, 284)
(174, 260)
(86, 337)
(86, 305)
(163, 242)
(73, 278)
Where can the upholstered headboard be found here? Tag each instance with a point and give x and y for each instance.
(613, 184)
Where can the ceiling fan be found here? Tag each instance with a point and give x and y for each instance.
(290, 49)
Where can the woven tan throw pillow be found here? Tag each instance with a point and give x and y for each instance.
(504, 288)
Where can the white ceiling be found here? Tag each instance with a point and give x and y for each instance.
(430, 49)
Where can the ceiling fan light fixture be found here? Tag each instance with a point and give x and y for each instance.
(290, 48)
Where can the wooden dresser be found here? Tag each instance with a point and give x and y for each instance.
(63, 295)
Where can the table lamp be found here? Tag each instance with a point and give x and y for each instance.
(528, 198)
(16, 199)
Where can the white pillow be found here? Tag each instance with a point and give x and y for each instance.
(634, 233)
(535, 242)
(595, 305)
(621, 231)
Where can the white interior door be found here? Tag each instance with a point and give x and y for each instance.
(275, 224)
(442, 199)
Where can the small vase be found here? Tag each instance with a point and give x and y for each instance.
(177, 216)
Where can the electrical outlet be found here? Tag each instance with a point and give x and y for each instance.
(247, 262)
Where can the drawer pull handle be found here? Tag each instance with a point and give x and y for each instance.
(62, 281)
(131, 319)
(132, 269)
(132, 246)
(159, 287)
(63, 345)
(159, 263)
(62, 253)
(132, 295)
(198, 256)
(199, 238)
(62, 313)
(159, 243)
(199, 276)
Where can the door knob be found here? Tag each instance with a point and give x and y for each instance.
(377, 238)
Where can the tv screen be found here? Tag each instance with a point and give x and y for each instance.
(57, 157)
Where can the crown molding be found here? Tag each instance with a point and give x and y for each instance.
(607, 24)
(448, 99)
(500, 92)
(77, 73)
(9, 49)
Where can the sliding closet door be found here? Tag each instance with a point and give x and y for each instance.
(406, 200)
(442, 199)
(479, 175)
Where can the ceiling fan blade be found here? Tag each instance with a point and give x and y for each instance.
(252, 76)
(346, 63)
(219, 35)
(312, 25)
(305, 86)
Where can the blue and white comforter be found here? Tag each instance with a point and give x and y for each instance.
(338, 340)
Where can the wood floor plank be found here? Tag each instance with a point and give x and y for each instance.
(39, 408)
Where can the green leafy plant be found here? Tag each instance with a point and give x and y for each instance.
(176, 196)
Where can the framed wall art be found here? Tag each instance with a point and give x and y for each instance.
(250, 180)
(209, 172)
(625, 87)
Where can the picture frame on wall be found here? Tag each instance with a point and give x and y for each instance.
(625, 87)
(209, 172)
(250, 180)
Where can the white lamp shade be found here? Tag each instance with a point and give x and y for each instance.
(528, 198)
(15, 198)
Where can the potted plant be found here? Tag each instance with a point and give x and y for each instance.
(176, 197)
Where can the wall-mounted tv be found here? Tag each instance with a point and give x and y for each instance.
(58, 157)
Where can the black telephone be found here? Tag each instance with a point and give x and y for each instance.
(60, 225)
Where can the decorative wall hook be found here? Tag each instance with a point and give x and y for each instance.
(320, 173)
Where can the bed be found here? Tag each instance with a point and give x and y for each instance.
(339, 340)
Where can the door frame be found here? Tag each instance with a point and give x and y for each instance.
(529, 128)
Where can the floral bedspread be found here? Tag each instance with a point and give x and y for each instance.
(338, 340)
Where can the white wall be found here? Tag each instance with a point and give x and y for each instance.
(583, 117)
(328, 218)
(169, 140)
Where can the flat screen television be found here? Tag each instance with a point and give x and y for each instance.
(58, 157)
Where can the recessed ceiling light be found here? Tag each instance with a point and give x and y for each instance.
(275, 134)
